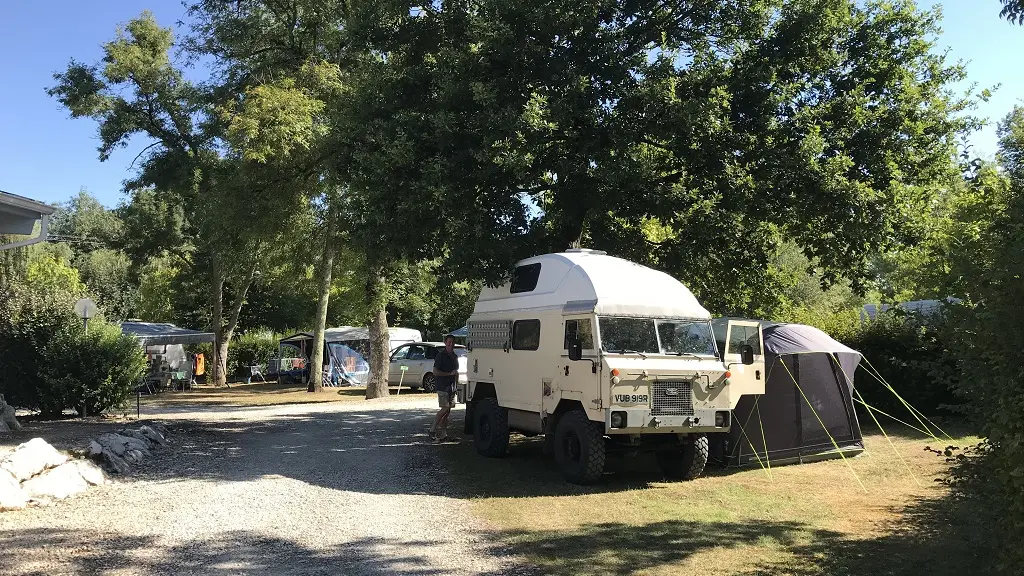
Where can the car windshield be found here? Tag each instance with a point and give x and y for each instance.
(656, 336)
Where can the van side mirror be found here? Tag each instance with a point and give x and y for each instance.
(747, 354)
(575, 350)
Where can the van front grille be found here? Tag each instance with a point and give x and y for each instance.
(672, 399)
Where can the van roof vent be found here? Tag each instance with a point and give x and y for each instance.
(586, 251)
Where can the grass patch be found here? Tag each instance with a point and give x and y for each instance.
(810, 519)
(263, 394)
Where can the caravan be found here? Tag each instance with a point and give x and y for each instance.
(600, 354)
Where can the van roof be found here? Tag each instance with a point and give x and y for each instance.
(585, 281)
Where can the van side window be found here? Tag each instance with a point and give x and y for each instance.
(526, 335)
(579, 329)
(525, 278)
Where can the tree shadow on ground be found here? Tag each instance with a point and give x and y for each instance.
(946, 536)
(936, 537)
(332, 449)
(50, 552)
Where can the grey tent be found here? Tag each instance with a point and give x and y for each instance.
(149, 334)
(804, 368)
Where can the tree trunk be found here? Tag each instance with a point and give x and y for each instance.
(220, 348)
(377, 385)
(222, 333)
(316, 383)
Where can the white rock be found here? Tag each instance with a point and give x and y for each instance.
(12, 497)
(31, 458)
(90, 472)
(58, 483)
(153, 435)
(4, 428)
(95, 451)
(119, 444)
(134, 456)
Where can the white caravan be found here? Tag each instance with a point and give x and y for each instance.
(600, 354)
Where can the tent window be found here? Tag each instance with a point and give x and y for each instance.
(581, 329)
(525, 278)
(740, 335)
(526, 335)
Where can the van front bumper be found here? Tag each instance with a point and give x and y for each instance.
(642, 421)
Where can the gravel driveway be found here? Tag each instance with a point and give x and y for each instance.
(303, 489)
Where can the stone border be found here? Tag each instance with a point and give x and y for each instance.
(36, 473)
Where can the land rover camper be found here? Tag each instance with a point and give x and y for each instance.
(600, 354)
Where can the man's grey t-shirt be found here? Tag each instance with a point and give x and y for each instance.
(445, 362)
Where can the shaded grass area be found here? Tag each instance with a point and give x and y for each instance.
(810, 519)
(263, 394)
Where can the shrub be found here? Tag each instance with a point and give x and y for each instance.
(909, 351)
(91, 371)
(912, 354)
(250, 349)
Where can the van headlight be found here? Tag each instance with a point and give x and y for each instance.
(618, 419)
(721, 418)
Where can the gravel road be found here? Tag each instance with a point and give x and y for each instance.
(304, 489)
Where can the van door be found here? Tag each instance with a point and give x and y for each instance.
(580, 380)
(745, 378)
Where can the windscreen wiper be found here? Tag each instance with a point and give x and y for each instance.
(691, 354)
(641, 354)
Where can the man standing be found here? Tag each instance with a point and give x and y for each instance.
(446, 374)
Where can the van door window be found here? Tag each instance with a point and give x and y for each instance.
(526, 335)
(741, 335)
(579, 329)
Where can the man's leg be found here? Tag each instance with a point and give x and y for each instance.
(442, 402)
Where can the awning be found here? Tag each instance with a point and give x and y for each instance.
(149, 334)
(18, 216)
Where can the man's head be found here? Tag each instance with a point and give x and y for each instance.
(449, 342)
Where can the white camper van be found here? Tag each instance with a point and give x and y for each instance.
(600, 354)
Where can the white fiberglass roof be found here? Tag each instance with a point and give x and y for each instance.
(594, 281)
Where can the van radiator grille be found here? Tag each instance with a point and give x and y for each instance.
(672, 399)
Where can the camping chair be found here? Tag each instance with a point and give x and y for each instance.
(255, 371)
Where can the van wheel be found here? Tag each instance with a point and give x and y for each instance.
(490, 428)
(686, 463)
(429, 383)
(579, 448)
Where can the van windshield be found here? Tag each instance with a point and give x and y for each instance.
(656, 336)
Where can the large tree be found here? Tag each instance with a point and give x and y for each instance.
(138, 91)
(697, 135)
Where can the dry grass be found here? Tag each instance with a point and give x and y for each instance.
(262, 394)
(811, 519)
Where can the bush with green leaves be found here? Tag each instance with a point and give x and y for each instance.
(90, 371)
(252, 348)
(908, 351)
(47, 361)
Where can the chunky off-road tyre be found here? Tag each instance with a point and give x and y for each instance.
(490, 428)
(686, 463)
(429, 383)
(579, 448)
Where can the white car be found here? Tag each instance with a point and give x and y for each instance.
(418, 358)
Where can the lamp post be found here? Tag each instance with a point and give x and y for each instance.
(85, 308)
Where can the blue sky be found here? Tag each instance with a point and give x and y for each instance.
(47, 156)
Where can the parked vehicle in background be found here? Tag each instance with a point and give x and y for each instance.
(600, 354)
(418, 359)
